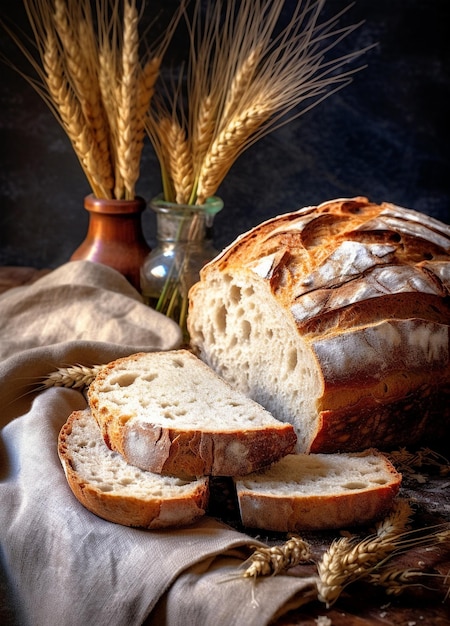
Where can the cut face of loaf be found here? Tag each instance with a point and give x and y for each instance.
(169, 413)
(336, 319)
(318, 491)
(106, 485)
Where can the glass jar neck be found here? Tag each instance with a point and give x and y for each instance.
(185, 223)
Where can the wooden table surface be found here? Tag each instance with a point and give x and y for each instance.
(361, 604)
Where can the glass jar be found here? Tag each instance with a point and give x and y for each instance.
(184, 234)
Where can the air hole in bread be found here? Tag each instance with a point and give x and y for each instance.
(246, 329)
(292, 359)
(124, 380)
(177, 363)
(355, 485)
(150, 377)
(235, 294)
(221, 319)
(105, 487)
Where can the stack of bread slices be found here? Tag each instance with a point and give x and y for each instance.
(160, 424)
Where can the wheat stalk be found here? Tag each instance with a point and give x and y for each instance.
(397, 580)
(74, 376)
(243, 81)
(127, 113)
(92, 77)
(70, 113)
(272, 561)
(226, 147)
(179, 161)
(348, 560)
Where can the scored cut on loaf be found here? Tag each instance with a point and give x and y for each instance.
(318, 491)
(169, 413)
(335, 318)
(106, 485)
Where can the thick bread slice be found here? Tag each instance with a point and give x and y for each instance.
(106, 485)
(167, 412)
(318, 491)
(336, 318)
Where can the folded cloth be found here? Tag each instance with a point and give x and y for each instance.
(65, 565)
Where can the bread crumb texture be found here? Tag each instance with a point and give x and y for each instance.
(175, 389)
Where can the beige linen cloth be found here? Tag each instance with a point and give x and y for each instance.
(66, 566)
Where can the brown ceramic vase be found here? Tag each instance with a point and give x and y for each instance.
(115, 236)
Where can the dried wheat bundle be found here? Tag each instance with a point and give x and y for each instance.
(246, 76)
(97, 74)
(349, 559)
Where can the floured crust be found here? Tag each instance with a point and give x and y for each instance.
(186, 450)
(362, 292)
(165, 505)
(284, 505)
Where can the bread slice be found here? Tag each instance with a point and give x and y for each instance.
(335, 318)
(167, 412)
(318, 491)
(107, 486)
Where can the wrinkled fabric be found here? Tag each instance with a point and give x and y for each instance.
(67, 566)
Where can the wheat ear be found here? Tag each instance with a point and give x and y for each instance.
(127, 109)
(272, 561)
(180, 162)
(147, 78)
(225, 149)
(347, 559)
(74, 377)
(80, 55)
(396, 580)
(68, 109)
(203, 130)
(241, 82)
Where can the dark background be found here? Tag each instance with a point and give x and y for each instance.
(386, 136)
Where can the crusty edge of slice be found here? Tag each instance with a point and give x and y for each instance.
(292, 513)
(129, 510)
(196, 453)
(193, 452)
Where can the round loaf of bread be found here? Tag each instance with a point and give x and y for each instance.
(336, 319)
(106, 485)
